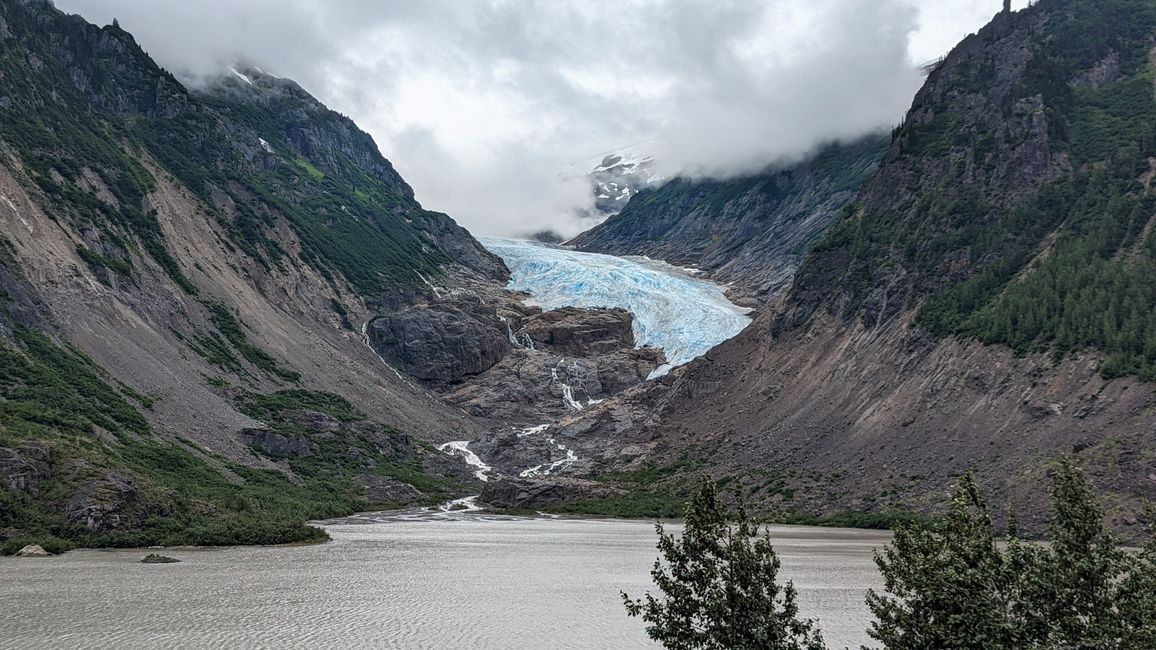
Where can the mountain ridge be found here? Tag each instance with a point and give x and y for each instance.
(750, 232)
(1012, 199)
(185, 276)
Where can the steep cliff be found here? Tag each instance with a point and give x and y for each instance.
(752, 232)
(184, 274)
(985, 302)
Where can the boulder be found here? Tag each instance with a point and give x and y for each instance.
(102, 501)
(33, 550)
(156, 558)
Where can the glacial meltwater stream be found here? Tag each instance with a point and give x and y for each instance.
(422, 579)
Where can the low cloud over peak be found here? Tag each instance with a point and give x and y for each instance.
(489, 107)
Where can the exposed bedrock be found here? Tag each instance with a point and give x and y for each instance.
(532, 493)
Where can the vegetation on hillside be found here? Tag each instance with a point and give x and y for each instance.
(83, 106)
(340, 456)
(1095, 286)
(89, 450)
(716, 221)
(1066, 268)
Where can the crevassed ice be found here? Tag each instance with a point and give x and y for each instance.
(682, 315)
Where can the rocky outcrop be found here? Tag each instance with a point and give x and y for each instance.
(276, 445)
(103, 502)
(384, 490)
(441, 342)
(24, 468)
(534, 494)
(482, 349)
(581, 332)
(536, 385)
(979, 139)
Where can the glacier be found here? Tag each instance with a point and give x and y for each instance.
(683, 315)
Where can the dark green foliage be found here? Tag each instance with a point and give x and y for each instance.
(885, 520)
(653, 491)
(934, 138)
(53, 545)
(639, 503)
(96, 262)
(1065, 268)
(949, 585)
(47, 386)
(719, 586)
(270, 408)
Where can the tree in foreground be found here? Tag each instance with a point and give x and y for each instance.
(719, 586)
(949, 585)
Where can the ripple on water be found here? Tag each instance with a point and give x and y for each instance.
(418, 579)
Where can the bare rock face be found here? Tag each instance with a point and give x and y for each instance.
(276, 445)
(440, 342)
(382, 489)
(102, 502)
(24, 468)
(534, 384)
(532, 493)
(582, 332)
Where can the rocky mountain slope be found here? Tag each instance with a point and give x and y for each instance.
(184, 274)
(751, 232)
(617, 178)
(985, 302)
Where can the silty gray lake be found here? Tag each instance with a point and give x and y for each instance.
(402, 580)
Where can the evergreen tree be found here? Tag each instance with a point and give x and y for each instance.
(949, 586)
(1087, 581)
(719, 586)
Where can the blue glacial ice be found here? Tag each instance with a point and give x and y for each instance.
(673, 310)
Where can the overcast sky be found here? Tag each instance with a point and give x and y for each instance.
(491, 109)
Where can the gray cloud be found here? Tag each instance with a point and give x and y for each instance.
(490, 107)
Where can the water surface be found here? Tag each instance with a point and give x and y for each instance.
(400, 581)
